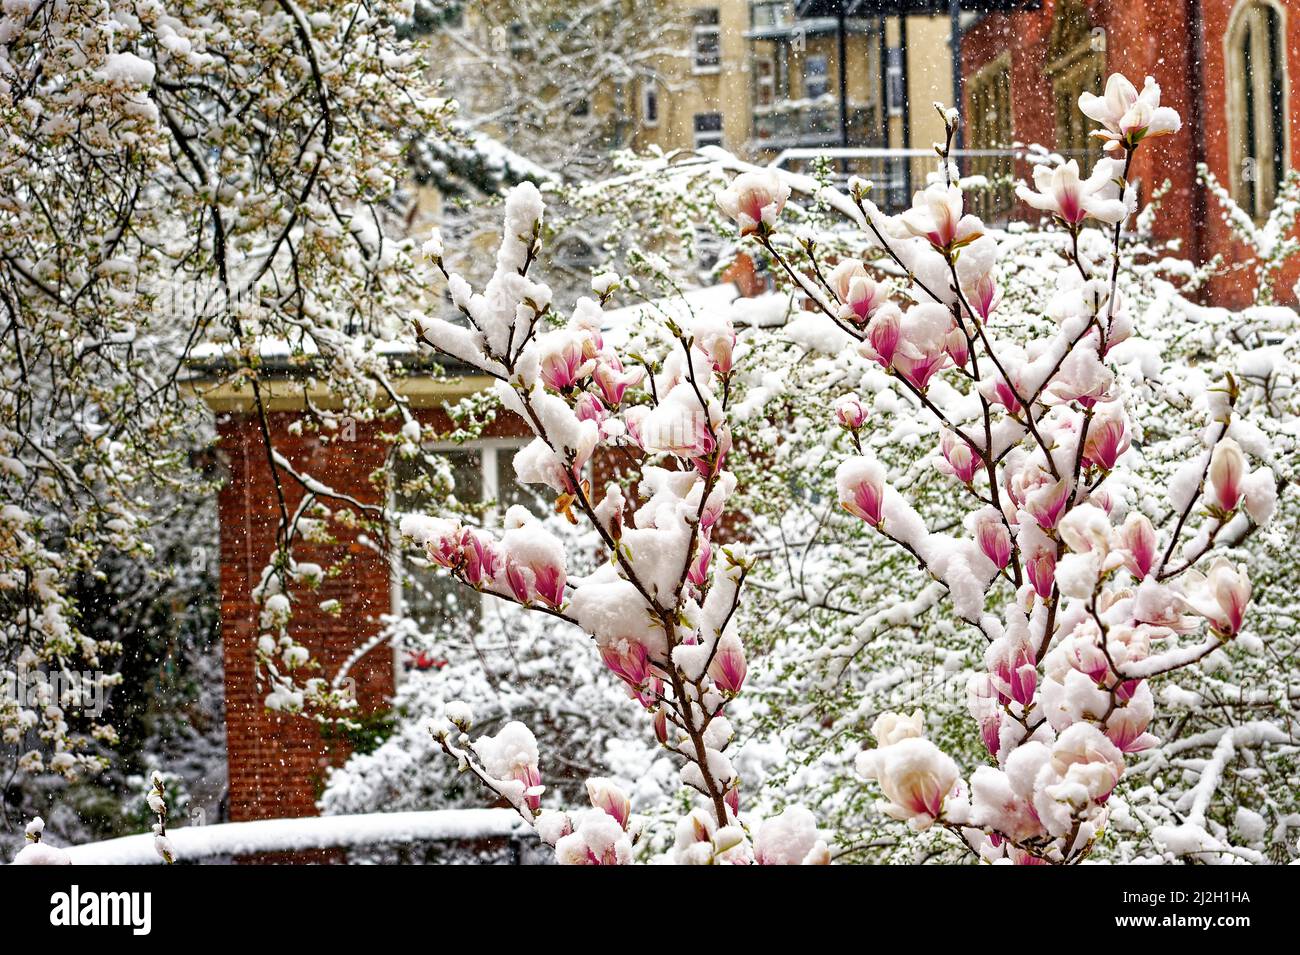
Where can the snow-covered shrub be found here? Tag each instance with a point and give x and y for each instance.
(517, 666)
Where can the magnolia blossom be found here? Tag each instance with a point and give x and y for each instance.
(629, 660)
(993, 537)
(1061, 192)
(850, 413)
(863, 300)
(1138, 539)
(754, 200)
(891, 728)
(1221, 595)
(1013, 668)
(1227, 472)
(606, 796)
(961, 460)
(861, 483)
(883, 335)
(1047, 502)
(915, 776)
(563, 362)
(1127, 116)
(936, 216)
(1041, 569)
(727, 669)
(1107, 440)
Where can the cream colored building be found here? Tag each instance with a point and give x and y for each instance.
(759, 78)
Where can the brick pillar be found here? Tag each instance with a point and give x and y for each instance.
(277, 762)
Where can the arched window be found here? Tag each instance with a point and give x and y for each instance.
(1257, 94)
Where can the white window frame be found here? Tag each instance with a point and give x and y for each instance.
(490, 451)
(650, 92)
(824, 77)
(894, 80)
(707, 137)
(701, 30)
(764, 83)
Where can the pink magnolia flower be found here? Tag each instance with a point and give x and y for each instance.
(717, 340)
(864, 299)
(991, 733)
(1107, 440)
(613, 381)
(1062, 193)
(1227, 471)
(728, 669)
(850, 413)
(732, 799)
(588, 407)
(542, 580)
(936, 216)
(1013, 669)
(531, 777)
(1126, 726)
(842, 276)
(1127, 116)
(1047, 503)
(919, 370)
(1041, 568)
(628, 660)
(563, 363)
(964, 464)
(984, 296)
(993, 538)
(606, 796)
(998, 391)
(699, 571)
(661, 725)
(1221, 596)
(883, 336)
(754, 200)
(915, 777)
(442, 541)
(861, 483)
(1138, 538)
(957, 345)
(482, 559)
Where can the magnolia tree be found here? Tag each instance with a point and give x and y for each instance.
(1095, 599)
(660, 606)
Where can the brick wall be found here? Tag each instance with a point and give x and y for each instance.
(277, 763)
(1147, 38)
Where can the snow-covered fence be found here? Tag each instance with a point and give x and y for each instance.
(194, 843)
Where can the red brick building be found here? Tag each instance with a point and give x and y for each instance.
(1230, 67)
(277, 762)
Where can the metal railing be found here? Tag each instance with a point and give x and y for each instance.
(896, 173)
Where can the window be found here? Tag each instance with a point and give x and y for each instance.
(706, 41)
(650, 102)
(1076, 64)
(894, 80)
(483, 473)
(1257, 91)
(990, 125)
(764, 81)
(708, 129)
(816, 77)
